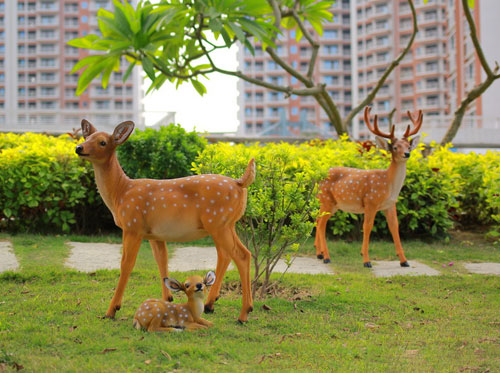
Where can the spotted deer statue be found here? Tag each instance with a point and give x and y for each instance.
(368, 191)
(175, 210)
(157, 315)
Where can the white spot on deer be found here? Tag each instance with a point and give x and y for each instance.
(196, 194)
(208, 187)
(230, 187)
(148, 185)
(137, 207)
(212, 201)
(147, 203)
(224, 181)
(185, 205)
(208, 210)
(164, 205)
(230, 209)
(128, 224)
(140, 189)
(140, 197)
(182, 185)
(162, 198)
(197, 206)
(132, 199)
(170, 190)
(162, 189)
(144, 212)
(209, 220)
(185, 196)
(175, 204)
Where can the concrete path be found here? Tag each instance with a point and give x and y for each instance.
(88, 257)
(384, 268)
(91, 256)
(483, 268)
(8, 260)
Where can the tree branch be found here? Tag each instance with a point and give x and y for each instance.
(475, 41)
(491, 76)
(369, 98)
(309, 38)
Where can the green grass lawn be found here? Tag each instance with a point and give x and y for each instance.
(352, 321)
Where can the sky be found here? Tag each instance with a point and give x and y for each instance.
(215, 111)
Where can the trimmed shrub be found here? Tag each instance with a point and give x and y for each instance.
(163, 154)
(44, 186)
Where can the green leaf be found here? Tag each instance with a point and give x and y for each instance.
(200, 88)
(147, 64)
(129, 71)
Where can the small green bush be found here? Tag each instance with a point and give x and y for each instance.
(281, 204)
(163, 154)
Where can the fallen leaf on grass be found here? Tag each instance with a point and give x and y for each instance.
(25, 292)
(147, 362)
(264, 357)
(166, 355)
(123, 318)
(265, 307)
(71, 328)
(289, 336)
(371, 325)
(106, 350)
(76, 340)
(411, 352)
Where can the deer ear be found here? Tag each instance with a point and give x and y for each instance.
(122, 132)
(209, 278)
(383, 143)
(414, 142)
(173, 284)
(87, 128)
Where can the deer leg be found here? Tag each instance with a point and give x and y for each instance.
(368, 221)
(391, 215)
(243, 260)
(227, 240)
(131, 244)
(322, 252)
(160, 254)
(223, 260)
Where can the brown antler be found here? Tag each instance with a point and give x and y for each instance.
(375, 130)
(416, 122)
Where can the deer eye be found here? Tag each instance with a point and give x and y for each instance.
(103, 143)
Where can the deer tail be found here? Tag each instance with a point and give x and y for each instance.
(249, 175)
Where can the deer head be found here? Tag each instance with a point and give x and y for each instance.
(99, 146)
(399, 148)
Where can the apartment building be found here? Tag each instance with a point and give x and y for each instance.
(383, 29)
(435, 75)
(37, 88)
(260, 108)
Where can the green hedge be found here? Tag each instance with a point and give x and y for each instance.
(163, 154)
(45, 187)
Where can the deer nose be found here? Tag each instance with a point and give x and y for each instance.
(407, 155)
(79, 149)
(199, 286)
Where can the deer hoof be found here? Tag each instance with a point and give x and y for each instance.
(117, 308)
(404, 264)
(209, 308)
(327, 261)
(242, 322)
(367, 265)
(319, 256)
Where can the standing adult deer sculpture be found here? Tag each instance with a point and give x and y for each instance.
(175, 210)
(368, 191)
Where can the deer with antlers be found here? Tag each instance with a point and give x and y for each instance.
(368, 191)
(175, 210)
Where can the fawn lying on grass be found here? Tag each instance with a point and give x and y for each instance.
(159, 315)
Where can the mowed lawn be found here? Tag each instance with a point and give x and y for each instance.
(50, 316)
